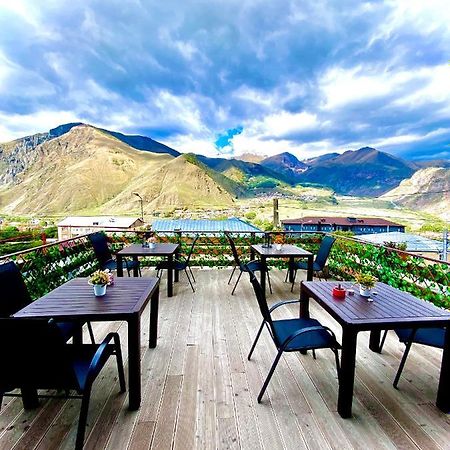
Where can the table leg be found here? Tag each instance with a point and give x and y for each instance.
(304, 303)
(177, 272)
(153, 332)
(136, 267)
(310, 272)
(252, 253)
(29, 398)
(291, 269)
(263, 273)
(170, 270)
(374, 341)
(443, 394)
(304, 308)
(119, 265)
(347, 373)
(134, 361)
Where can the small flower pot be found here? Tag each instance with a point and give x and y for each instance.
(99, 290)
(151, 245)
(364, 291)
(279, 246)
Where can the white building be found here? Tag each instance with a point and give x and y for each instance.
(420, 245)
(76, 226)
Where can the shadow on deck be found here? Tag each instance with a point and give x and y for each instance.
(199, 390)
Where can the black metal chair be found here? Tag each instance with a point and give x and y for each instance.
(105, 257)
(291, 335)
(432, 337)
(179, 264)
(254, 266)
(319, 261)
(14, 296)
(35, 356)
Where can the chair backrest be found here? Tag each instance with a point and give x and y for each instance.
(34, 355)
(188, 257)
(262, 303)
(14, 294)
(101, 249)
(233, 249)
(324, 251)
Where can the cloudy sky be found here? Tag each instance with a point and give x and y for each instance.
(233, 76)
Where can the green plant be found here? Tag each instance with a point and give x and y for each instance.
(397, 245)
(99, 277)
(366, 280)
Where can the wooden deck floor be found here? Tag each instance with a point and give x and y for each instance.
(199, 390)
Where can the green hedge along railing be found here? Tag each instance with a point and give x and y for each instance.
(49, 266)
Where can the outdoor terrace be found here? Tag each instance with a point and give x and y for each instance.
(199, 389)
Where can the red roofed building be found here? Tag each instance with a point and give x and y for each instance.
(366, 225)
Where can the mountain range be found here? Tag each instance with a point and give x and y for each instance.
(76, 167)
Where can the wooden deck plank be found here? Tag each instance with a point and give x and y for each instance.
(186, 420)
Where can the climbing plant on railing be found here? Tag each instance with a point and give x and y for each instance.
(47, 267)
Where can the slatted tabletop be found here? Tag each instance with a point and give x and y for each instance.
(389, 305)
(125, 300)
(161, 249)
(390, 309)
(286, 251)
(76, 299)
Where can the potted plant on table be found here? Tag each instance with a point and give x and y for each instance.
(99, 280)
(366, 283)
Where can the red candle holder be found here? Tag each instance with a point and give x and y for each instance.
(338, 292)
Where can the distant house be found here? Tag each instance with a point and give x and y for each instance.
(76, 226)
(357, 226)
(198, 225)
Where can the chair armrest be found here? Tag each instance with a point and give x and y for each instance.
(309, 330)
(284, 302)
(97, 360)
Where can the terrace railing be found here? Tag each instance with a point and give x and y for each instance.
(48, 266)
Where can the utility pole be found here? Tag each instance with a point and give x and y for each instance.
(445, 245)
(276, 217)
(142, 204)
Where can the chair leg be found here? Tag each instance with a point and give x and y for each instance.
(383, 339)
(232, 273)
(119, 359)
(189, 279)
(270, 284)
(314, 353)
(402, 364)
(237, 281)
(256, 340)
(83, 419)
(91, 332)
(287, 274)
(192, 275)
(269, 375)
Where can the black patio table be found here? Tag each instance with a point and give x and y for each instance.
(125, 300)
(390, 308)
(286, 251)
(166, 250)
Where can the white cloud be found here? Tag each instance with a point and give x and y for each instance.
(341, 87)
(192, 144)
(418, 16)
(14, 126)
